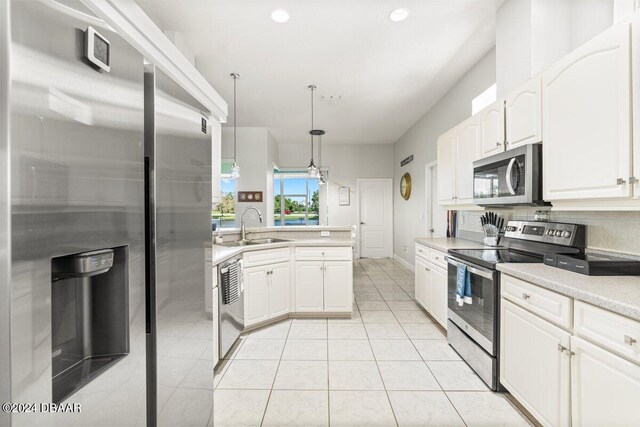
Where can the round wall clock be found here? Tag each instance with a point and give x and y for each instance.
(405, 186)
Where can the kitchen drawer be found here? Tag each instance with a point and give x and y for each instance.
(612, 331)
(437, 258)
(422, 251)
(320, 253)
(549, 305)
(265, 256)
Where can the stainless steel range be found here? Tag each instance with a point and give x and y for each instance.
(472, 329)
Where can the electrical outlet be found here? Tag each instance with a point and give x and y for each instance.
(404, 248)
(325, 234)
(462, 219)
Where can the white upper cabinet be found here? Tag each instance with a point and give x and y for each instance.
(492, 128)
(587, 120)
(467, 151)
(635, 55)
(523, 111)
(447, 168)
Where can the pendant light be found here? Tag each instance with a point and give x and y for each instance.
(313, 169)
(235, 169)
(321, 179)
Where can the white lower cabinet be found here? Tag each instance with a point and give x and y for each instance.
(438, 296)
(422, 277)
(309, 286)
(338, 288)
(267, 290)
(324, 286)
(431, 283)
(605, 388)
(279, 289)
(256, 294)
(532, 367)
(563, 379)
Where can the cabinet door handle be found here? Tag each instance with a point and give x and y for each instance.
(498, 144)
(620, 181)
(426, 269)
(563, 349)
(629, 340)
(526, 296)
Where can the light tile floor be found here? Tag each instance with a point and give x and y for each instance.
(388, 365)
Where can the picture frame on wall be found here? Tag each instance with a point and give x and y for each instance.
(344, 196)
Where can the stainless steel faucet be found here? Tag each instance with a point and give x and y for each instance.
(242, 229)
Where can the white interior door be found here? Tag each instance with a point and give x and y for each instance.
(376, 217)
(436, 214)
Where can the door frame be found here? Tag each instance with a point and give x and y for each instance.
(428, 196)
(359, 181)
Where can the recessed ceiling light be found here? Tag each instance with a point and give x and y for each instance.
(399, 15)
(280, 16)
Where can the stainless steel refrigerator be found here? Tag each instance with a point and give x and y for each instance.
(180, 331)
(102, 242)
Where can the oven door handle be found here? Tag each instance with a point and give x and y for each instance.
(487, 274)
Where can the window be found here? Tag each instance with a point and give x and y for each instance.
(224, 213)
(484, 99)
(297, 199)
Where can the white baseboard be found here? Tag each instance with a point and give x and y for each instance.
(403, 262)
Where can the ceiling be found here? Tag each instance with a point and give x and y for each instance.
(383, 75)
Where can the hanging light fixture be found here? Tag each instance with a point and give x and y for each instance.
(321, 178)
(235, 169)
(313, 169)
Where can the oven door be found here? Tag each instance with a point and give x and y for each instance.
(479, 319)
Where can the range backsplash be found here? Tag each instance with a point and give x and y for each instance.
(608, 231)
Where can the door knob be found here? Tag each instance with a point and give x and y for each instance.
(362, 223)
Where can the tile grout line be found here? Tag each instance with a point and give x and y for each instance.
(275, 376)
(434, 377)
(375, 358)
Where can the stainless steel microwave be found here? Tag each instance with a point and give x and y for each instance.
(513, 177)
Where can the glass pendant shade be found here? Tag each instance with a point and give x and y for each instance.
(235, 170)
(313, 170)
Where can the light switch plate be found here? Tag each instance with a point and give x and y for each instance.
(325, 233)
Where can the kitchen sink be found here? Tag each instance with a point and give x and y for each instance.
(268, 240)
(253, 242)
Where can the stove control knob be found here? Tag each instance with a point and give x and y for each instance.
(566, 234)
(550, 232)
(558, 233)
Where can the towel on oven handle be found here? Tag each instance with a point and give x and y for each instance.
(463, 285)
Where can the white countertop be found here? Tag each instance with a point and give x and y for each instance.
(445, 243)
(222, 253)
(619, 294)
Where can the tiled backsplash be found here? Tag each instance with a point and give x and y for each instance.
(609, 231)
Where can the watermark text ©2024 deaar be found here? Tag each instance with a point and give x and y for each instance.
(41, 407)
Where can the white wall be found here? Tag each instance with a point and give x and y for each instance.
(420, 140)
(346, 163)
(257, 151)
(533, 34)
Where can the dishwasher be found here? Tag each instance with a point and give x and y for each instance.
(230, 304)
